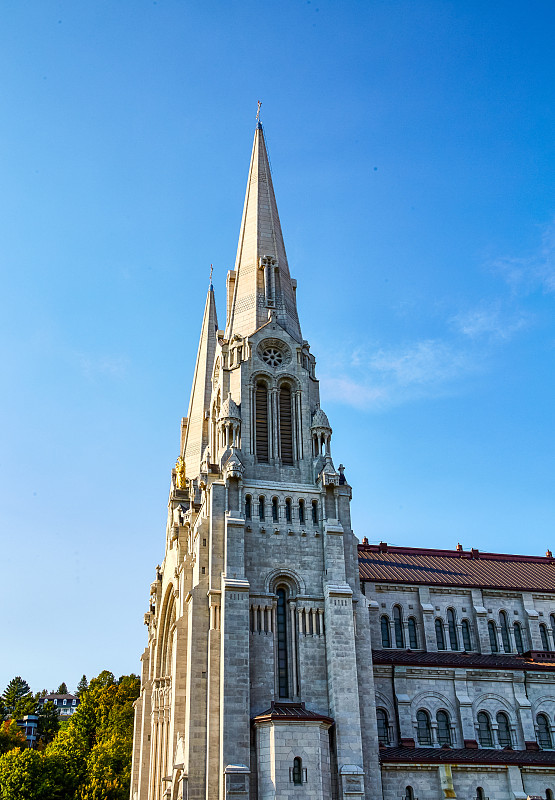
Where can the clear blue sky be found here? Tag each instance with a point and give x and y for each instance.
(412, 146)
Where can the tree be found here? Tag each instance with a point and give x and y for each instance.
(33, 776)
(17, 698)
(62, 688)
(48, 723)
(11, 736)
(82, 686)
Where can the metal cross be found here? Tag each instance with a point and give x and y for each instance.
(211, 271)
(258, 112)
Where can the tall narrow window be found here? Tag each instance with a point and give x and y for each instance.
(423, 728)
(383, 726)
(552, 620)
(248, 507)
(409, 793)
(548, 794)
(544, 636)
(413, 635)
(261, 507)
(505, 638)
(519, 644)
(465, 630)
(484, 730)
(440, 636)
(480, 793)
(275, 509)
(493, 637)
(301, 512)
(283, 673)
(261, 427)
(452, 626)
(297, 771)
(398, 627)
(443, 727)
(544, 732)
(503, 730)
(286, 425)
(315, 512)
(386, 636)
(288, 510)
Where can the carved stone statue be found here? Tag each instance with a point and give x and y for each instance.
(179, 473)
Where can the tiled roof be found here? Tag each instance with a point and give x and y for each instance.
(291, 712)
(430, 755)
(446, 658)
(382, 563)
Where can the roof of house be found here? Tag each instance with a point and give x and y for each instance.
(382, 563)
(430, 755)
(539, 662)
(59, 697)
(291, 712)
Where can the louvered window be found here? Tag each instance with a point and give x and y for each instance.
(283, 672)
(261, 411)
(286, 425)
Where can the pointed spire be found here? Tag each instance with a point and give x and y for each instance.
(196, 437)
(263, 285)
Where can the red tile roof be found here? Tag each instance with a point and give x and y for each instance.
(430, 755)
(382, 563)
(446, 658)
(291, 712)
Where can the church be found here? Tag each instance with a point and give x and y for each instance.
(287, 661)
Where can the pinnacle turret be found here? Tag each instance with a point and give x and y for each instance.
(261, 285)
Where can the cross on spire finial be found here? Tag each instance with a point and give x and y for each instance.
(211, 271)
(258, 111)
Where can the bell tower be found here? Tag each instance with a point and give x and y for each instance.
(257, 679)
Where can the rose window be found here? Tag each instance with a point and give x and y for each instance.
(272, 356)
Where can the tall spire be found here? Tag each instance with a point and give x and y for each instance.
(196, 436)
(262, 281)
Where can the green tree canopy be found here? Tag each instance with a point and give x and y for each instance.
(48, 722)
(17, 698)
(11, 736)
(82, 686)
(62, 688)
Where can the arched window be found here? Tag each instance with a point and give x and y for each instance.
(519, 644)
(383, 726)
(544, 732)
(386, 635)
(398, 626)
(301, 512)
(409, 793)
(452, 626)
(297, 771)
(275, 509)
(288, 509)
(261, 424)
(286, 424)
(548, 794)
(505, 632)
(423, 728)
(261, 507)
(248, 507)
(440, 636)
(484, 730)
(465, 630)
(443, 727)
(315, 512)
(413, 633)
(493, 637)
(480, 794)
(282, 655)
(544, 636)
(503, 730)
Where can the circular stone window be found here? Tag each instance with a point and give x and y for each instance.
(272, 357)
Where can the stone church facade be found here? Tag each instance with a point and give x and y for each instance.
(285, 660)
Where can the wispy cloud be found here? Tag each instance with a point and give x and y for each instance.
(533, 271)
(93, 367)
(491, 320)
(376, 379)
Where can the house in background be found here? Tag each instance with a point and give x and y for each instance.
(66, 704)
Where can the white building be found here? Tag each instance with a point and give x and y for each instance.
(258, 680)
